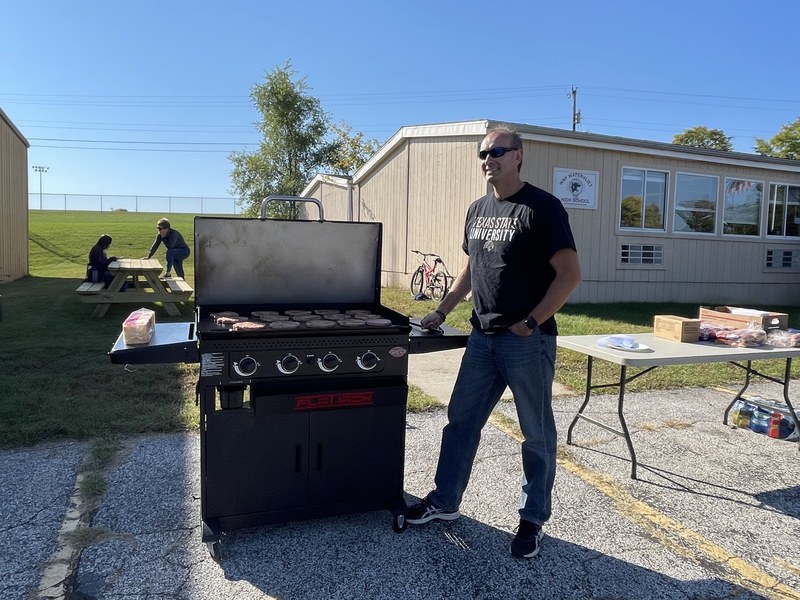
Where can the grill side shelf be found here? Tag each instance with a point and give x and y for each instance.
(422, 341)
(171, 343)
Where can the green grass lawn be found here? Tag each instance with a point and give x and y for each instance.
(586, 319)
(57, 382)
(60, 241)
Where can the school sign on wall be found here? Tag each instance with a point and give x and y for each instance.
(576, 188)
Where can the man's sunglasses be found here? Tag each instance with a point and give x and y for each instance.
(494, 152)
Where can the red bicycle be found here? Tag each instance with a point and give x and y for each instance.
(431, 276)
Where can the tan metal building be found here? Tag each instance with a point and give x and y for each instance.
(335, 192)
(13, 201)
(654, 222)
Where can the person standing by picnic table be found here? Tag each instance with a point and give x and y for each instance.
(521, 267)
(177, 249)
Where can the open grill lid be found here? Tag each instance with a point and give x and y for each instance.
(247, 263)
(260, 261)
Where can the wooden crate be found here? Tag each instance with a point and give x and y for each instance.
(721, 315)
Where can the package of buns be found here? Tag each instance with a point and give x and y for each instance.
(138, 328)
(742, 338)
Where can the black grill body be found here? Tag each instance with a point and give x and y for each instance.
(300, 423)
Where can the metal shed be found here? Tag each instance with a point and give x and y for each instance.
(654, 222)
(13, 201)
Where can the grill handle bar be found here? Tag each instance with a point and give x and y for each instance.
(269, 199)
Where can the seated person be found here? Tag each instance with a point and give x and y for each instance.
(97, 269)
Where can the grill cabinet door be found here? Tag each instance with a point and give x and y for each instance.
(357, 453)
(254, 462)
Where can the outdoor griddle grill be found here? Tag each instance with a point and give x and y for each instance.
(302, 415)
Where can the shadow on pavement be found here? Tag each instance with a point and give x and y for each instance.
(355, 556)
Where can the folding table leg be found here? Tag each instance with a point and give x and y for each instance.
(585, 400)
(623, 424)
(786, 377)
(623, 379)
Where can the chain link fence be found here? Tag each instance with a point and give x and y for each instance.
(154, 204)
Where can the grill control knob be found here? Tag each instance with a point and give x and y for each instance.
(368, 361)
(329, 363)
(288, 364)
(245, 366)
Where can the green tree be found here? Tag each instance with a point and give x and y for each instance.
(653, 219)
(295, 145)
(353, 152)
(703, 137)
(784, 144)
(631, 212)
(701, 218)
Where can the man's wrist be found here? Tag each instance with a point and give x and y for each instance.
(531, 323)
(440, 314)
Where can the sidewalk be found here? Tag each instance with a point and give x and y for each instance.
(435, 374)
(715, 514)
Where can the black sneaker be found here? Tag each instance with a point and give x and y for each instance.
(526, 542)
(425, 511)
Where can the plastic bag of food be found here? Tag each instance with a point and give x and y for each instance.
(784, 338)
(138, 328)
(708, 331)
(742, 338)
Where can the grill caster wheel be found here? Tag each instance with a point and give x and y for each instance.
(399, 523)
(215, 550)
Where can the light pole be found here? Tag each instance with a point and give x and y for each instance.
(40, 170)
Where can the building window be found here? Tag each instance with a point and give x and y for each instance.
(783, 218)
(644, 195)
(641, 254)
(742, 206)
(782, 259)
(695, 203)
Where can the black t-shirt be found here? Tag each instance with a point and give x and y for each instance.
(510, 243)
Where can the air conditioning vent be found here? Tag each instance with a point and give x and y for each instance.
(641, 254)
(785, 260)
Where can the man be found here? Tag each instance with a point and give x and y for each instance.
(521, 267)
(177, 249)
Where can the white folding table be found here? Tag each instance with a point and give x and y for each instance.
(661, 352)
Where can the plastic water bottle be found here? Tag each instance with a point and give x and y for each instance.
(759, 422)
(741, 412)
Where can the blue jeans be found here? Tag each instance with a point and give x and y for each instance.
(176, 256)
(527, 366)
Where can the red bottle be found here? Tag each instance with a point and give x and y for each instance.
(775, 425)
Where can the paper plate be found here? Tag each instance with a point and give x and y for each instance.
(603, 342)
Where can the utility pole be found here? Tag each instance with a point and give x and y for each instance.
(40, 170)
(576, 114)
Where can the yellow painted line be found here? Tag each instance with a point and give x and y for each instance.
(669, 532)
(782, 562)
(727, 391)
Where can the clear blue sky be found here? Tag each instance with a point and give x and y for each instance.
(150, 97)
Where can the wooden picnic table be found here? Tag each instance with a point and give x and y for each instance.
(144, 287)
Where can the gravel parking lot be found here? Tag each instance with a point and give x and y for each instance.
(714, 514)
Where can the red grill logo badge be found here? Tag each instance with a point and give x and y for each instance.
(334, 400)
